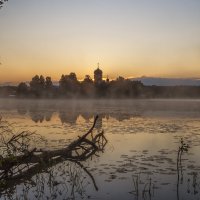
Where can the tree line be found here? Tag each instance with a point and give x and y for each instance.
(70, 87)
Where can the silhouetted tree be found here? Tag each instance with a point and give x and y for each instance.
(120, 79)
(72, 77)
(69, 85)
(101, 89)
(22, 89)
(117, 87)
(137, 89)
(87, 79)
(49, 89)
(48, 83)
(35, 82)
(42, 82)
(62, 81)
(125, 88)
(87, 87)
(37, 85)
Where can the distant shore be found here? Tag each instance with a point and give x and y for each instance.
(106, 92)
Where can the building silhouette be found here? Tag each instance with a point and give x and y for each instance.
(98, 75)
(107, 79)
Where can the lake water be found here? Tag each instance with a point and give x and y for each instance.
(139, 160)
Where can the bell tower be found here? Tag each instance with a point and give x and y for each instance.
(98, 75)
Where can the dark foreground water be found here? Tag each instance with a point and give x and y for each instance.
(138, 162)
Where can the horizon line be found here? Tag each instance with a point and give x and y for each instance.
(14, 83)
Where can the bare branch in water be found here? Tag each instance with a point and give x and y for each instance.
(19, 161)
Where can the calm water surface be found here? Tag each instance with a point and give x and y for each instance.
(139, 160)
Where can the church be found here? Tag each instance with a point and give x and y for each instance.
(98, 75)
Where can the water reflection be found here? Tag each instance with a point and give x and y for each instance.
(182, 149)
(139, 162)
(69, 110)
(68, 117)
(142, 189)
(38, 115)
(65, 180)
(27, 172)
(187, 183)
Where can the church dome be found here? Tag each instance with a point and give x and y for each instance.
(98, 71)
(98, 75)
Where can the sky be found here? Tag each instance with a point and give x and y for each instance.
(130, 38)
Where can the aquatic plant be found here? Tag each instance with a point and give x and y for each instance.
(145, 190)
(181, 149)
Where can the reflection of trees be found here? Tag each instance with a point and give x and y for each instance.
(87, 116)
(22, 164)
(38, 115)
(68, 117)
(48, 115)
(121, 117)
(69, 111)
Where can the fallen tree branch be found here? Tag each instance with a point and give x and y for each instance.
(27, 165)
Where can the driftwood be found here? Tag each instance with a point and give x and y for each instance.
(30, 162)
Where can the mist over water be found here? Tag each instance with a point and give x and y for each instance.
(139, 160)
(103, 106)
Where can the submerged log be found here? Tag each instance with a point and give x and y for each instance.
(34, 161)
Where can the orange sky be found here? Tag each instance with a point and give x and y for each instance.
(129, 38)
